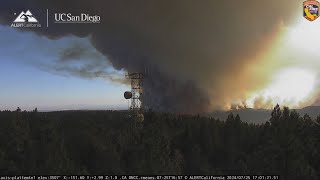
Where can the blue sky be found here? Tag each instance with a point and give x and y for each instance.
(23, 83)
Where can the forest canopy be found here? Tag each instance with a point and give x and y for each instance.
(109, 142)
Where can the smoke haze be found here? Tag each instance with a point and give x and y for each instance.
(201, 55)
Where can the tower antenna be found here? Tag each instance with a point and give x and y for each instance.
(136, 95)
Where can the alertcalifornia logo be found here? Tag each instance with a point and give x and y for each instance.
(25, 19)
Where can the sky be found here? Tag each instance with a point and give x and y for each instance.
(26, 86)
(200, 56)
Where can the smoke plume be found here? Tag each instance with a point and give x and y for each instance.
(83, 61)
(201, 55)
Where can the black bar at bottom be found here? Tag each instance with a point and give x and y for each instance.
(139, 177)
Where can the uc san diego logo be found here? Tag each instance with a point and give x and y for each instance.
(25, 19)
(311, 10)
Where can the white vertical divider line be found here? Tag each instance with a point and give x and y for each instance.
(47, 18)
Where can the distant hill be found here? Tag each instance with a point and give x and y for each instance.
(258, 116)
(312, 111)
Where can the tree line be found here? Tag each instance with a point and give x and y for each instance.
(110, 142)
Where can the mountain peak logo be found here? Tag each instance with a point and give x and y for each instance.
(25, 19)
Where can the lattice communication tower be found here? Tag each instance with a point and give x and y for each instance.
(136, 95)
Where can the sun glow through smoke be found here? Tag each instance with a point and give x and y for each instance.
(294, 65)
(290, 87)
(304, 37)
